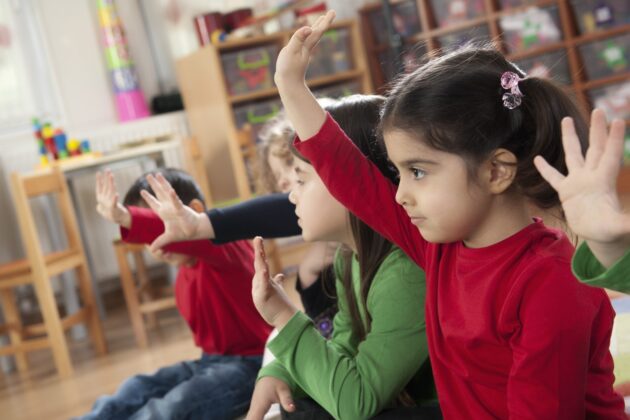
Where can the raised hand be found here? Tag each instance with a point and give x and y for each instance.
(270, 299)
(180, 221)
(107, 204)
(269, 390)
(293, 59)
(588, 193)
(302, 109)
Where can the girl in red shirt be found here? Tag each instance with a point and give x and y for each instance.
(512, 333)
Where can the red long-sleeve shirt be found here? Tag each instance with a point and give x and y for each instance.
(214, 294)
(512, 334)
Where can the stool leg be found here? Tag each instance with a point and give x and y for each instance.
(131, 297)
(12, 316)
(89, 302)
(147, 294)
(52, 323)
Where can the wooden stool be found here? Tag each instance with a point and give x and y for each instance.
(142, 300)
(37, 269)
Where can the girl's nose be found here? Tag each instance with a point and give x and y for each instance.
(402, 195)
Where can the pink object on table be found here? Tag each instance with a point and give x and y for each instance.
(131, 105)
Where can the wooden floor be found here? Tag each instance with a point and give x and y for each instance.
(40, 394)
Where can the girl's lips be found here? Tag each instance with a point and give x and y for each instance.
(417, 220)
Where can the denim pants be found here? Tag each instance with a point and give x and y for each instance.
(213, 387)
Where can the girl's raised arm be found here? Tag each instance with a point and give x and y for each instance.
(303, 110)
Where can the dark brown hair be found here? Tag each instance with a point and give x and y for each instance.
(184, 185)
(454, 104)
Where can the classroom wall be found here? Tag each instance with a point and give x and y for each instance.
(73, 47)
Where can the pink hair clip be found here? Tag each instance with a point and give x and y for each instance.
(513, 98)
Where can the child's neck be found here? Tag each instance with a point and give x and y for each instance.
(507, 215)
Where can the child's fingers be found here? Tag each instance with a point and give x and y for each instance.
(613, 150)
(110, 182)
(153, 203)
(114, 202)
(548, 172)
(285, 398)
(571, 143)
(320, 26)
(297, 40)
(175, 201)
(596, 138)
(99, 183)
(257, 410)
(105, 189)
(260, 265)
(156, 187)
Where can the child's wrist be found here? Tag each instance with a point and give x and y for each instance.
(124, 218)
(283, 318)
(287, 82)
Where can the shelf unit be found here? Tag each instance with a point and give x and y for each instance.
(214, 102)
(424, 33)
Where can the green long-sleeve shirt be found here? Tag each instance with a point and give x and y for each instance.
(590, 271)
(353, 380)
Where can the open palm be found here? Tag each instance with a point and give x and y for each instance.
(293, 59)
(588, 193)
(180, 221)
(269, 297)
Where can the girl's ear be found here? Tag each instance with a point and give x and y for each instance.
(500, 169)
(197, 205)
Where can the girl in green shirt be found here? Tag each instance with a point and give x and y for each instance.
(378, 356)
(591, 203)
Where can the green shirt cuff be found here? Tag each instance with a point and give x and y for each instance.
(277, 370)
(590, 271)
(289, 335)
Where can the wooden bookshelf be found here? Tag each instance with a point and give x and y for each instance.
(571, 46)
(212, 105)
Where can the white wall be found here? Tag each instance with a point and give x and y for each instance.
(73, 46)
(77, 64)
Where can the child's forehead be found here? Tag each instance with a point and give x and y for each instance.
(405, 142)
(302, 167)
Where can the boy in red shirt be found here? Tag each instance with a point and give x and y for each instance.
(213, 294)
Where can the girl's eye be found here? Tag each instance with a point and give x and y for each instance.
(299, 182)
(417, 173)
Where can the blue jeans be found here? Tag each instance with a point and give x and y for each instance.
(213, 387)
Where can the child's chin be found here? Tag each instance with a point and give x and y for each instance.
(430, 236)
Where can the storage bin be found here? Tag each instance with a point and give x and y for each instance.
(256, 114)
(614, 100)
(250, 69)
(594, 15)
(532, 28)
(449, 12)
(332, 55)
(507, 4)
(405, 21)
(411, 58)
(459, 38)
(606, 57)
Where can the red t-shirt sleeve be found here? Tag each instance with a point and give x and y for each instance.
(359, 185)
(552, 348)
(146, 226)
